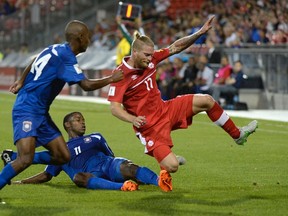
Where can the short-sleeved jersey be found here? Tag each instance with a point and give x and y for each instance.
(83, 150)
(53, 67)
(138, 91)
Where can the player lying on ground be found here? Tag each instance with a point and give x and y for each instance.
(93, 165)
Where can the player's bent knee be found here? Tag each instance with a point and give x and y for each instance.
(62, 158)
(81, 179)
(24, 161)
(128, 169)
(172, 168)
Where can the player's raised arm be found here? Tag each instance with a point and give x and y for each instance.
(93, 84)
(184, 42)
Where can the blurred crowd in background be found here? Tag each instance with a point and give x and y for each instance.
(237, 24)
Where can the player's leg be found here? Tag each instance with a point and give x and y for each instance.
(132, 171)
(50, 137)
(220, 117)
(58, 150)
(88, 180)
(25, 153)
(168, 163)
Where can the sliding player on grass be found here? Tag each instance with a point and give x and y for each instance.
(92, 164)
(152, 118)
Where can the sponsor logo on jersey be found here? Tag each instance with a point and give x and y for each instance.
(134, 77)
(27, 126)
(111, 91)
(87, 139)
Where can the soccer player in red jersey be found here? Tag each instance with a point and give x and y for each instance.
(153, 119)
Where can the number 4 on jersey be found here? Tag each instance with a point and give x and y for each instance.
(39, 65)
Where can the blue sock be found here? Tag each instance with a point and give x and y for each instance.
(100, 183)
(6, 175)
(13, 156)
(146, 176)
(42, 157)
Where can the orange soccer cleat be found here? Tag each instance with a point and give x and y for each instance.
(165, 181)
(129, 186)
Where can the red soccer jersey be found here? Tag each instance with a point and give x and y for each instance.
(138, 91)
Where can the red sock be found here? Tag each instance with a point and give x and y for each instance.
(220, 118)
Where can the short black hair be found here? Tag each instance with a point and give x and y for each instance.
(68, 117)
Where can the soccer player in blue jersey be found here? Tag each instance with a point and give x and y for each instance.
(38, 86)
(93, 164)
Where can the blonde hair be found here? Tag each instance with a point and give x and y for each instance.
(140, 40)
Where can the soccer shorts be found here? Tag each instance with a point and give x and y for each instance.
(106, 167)
(178, 115)
(29, 125)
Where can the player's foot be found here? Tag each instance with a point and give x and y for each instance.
(181, 159)
(129, 186)
(246, 131)
(165, 181)
(6, 156)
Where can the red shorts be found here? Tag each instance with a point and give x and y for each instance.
(178, 115)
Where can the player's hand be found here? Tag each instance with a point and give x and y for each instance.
(207, 25)
(139, 121)
(117, 76)
(15, 87)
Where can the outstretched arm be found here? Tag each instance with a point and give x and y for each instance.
(183, 43)
(15, 87)
(93, 84)
(119, 112)
(36, 179)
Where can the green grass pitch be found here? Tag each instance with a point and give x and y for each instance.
(219, 177)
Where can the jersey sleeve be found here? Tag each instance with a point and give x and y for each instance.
(160, 55)
(69, 70)
(101, 144)
(53, 170)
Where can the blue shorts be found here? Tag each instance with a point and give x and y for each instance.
(29, 125)
(108, 167)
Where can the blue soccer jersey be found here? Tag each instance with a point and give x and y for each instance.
(53, 67)
(90, 154)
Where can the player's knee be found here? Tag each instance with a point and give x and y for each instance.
(24, 161)
(66, 157)
(128, 169)
(205, 101)
(62, 158)
(208, 101)
(172, 168)
(81, 179)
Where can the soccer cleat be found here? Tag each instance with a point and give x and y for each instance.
(6, 156)
(129, 186)
(246, 131)
(181, 159)
(165, 181)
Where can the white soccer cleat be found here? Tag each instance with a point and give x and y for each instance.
(181, 159)
(246, 131)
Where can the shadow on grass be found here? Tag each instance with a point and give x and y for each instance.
(168, 204)
(31, 210)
